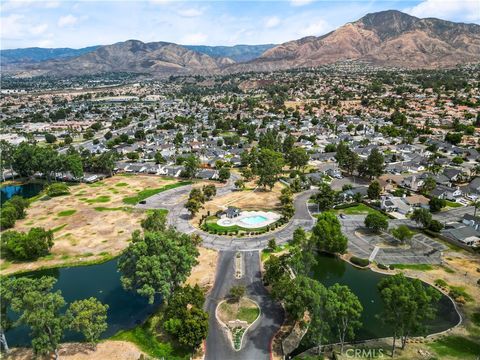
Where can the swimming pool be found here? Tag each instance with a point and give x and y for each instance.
(254, 220)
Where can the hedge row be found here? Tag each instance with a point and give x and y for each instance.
(359, 261)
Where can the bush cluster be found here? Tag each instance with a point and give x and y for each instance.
(12, 210)
(359, 261)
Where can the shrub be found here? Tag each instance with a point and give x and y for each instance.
(12, 210)
(383, 266)
(359, 261)
(441, 283)
(26, 246)
(58, 189)
(435, 226)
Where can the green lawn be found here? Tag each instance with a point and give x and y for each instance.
(143, 337)
(248, 314)
(58, 228)
(211, 225)
(66, 212)
(456, 347)
(358, 210)
(98, 199)
(120, 208)
(421, 267)
(144, 194)
(453, 204)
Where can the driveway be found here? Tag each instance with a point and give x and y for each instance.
(256, 344)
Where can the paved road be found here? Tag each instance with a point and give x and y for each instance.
(173, 200)
(453, 215)
(256, 344)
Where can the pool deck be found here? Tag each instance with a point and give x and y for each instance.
(269, 216)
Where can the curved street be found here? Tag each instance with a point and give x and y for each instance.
(174, 200)
(257, 340)
(256, 343)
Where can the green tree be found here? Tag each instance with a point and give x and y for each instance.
(40, 309)
(50, 138)
(240, 184)
(374, 190)
(376, 222)
(454, 137)
(184, 317)
(270, 165)
(158, 262)
(345, 310)
(209, 191)
(375, 163)
(89, 317)
(26, 246)
(236, 293)
(223, 174)
(193, 206)
(191, 164)
(327, 234)
(325, 198)
(402, 233)
(159, 159)
(428, 185)
(57, 189)
(436, 204)
(298, 158)
(422, 216)
(408, 304)
(155, 221)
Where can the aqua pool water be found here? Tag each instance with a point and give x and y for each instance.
(254, 220)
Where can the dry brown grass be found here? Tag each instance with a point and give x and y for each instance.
(204, 273)
(87, 233)
(111, 350)
(257, 199)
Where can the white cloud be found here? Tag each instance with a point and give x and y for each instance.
(12, 26)
(317, 28)
(271, 22)
(300, 2)
(67, 20)
(447, 9)
(38, 29)
(45, 43)
(190, 12)
(194, 39)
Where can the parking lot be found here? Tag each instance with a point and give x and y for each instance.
(381, 248)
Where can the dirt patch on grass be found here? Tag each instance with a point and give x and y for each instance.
(92, 230)
(112, 350)
(258, 199)
(204, 273)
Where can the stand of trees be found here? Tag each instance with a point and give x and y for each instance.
(408, 304)
(20, 246)
(333, 311)
(12, 210)
(158, 261)
(42, 310)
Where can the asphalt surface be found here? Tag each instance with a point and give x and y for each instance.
(422, 249)
(256, 342)
(174, 200)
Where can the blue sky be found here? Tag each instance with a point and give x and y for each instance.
(88, 22)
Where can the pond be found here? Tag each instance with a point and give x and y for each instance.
(27, 190)
(126, 309)
(363, 283)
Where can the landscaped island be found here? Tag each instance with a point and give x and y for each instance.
(234, 221)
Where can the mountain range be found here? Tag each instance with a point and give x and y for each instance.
(387, 38)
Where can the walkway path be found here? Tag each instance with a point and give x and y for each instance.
(256, 344)
(174, 200)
